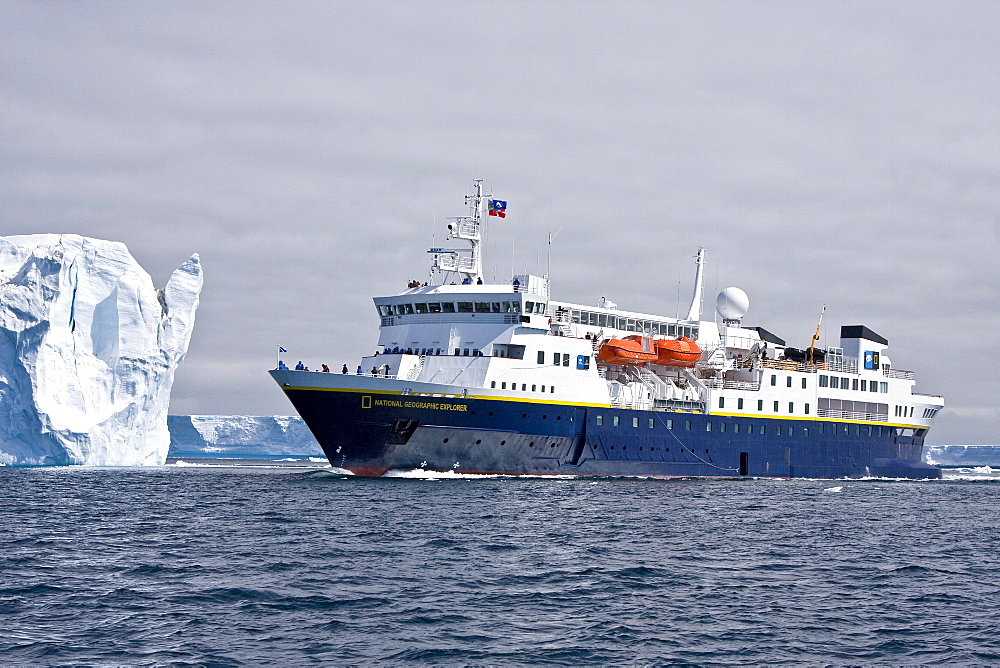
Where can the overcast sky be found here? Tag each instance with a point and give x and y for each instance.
(840, 153)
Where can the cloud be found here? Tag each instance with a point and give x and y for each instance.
(823, 153)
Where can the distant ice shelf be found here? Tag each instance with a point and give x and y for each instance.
(962, 455)
(239, 436)
(88, 350)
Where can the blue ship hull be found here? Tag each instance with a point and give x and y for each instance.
(372, 433)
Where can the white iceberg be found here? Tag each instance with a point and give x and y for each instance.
(240, 436)
(88, 349)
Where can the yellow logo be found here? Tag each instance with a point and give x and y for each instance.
(366, 402)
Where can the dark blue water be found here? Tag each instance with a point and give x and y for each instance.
(262, 566)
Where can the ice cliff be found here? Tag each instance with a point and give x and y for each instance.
(88, 349)
(239, 436)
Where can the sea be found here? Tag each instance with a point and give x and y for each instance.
(228, 562)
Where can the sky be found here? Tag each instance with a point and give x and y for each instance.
(837, 153)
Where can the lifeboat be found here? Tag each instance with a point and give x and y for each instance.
(630, 350)
(680, 352)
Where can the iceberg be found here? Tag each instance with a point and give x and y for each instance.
(88, 350)
(239, 436)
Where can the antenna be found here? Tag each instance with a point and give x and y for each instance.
(694, 313)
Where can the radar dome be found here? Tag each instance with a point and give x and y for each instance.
(732, 303)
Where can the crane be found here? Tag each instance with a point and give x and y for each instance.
(815, 338)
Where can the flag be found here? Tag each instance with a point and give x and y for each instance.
(281, 350)
(498, 208)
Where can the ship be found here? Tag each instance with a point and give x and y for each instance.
(479, 377)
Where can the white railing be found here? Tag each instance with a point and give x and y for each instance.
(851, 415)
(898, 373)
(715, 383)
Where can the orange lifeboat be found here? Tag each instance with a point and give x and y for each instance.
(630, 350)
(680, 352)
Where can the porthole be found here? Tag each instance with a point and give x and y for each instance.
(524, 415)
(624, 447)
(503, 442)
(545, 417)
(559, 417)
(491, 413)
(531, 445)
(552, 445)
(445, 440)
(640, 448)
(478, 441)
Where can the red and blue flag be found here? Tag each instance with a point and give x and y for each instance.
(498, 208)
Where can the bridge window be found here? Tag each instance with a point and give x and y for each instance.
(482, 307)
(420, 308)
(824, 381)
(447, 307)
(465, 307)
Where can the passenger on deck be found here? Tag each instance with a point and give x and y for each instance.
(326, 369)
(300, 366)
(359, 370)
(374, 371)
(517, 285)
(282, 366)
(344, 370)
(479, 281)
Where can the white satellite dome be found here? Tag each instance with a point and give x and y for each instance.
(732, 303)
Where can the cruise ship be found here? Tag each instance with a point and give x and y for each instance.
(500, 378)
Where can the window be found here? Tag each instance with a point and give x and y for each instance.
(465, 352)
(883, 387)
(807, 409)
(529, 307)
(543, 388)
(824, 381)
(408, 309)
(820, 427)
(503, 386)
(650, 423)
(722, 402)
(845, 383)
(533, 387)
(493, 383)
(635, 422)
(803, 383)
(708, 426)
(750, 428)
(739, 403)
(789, 379)
(873, 386)
(524, 387)
(670, 424)
(854, 384)
(763, 428)
(465, 307)
(447, 307)
(722, 426)
(615, 421)
(777, 430)
(791, 431)
(687, 425)
(864, 385)
(760, 404)
(434, 307)
(775, 406)
(805, 432)
(556, 359)
(791, 406)
(599, 420)
(552, 390)
(458, 351)
(774, 379)
(736, 428)
(475, 352)
(420, 308)
(565, 359)
(541, 357)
